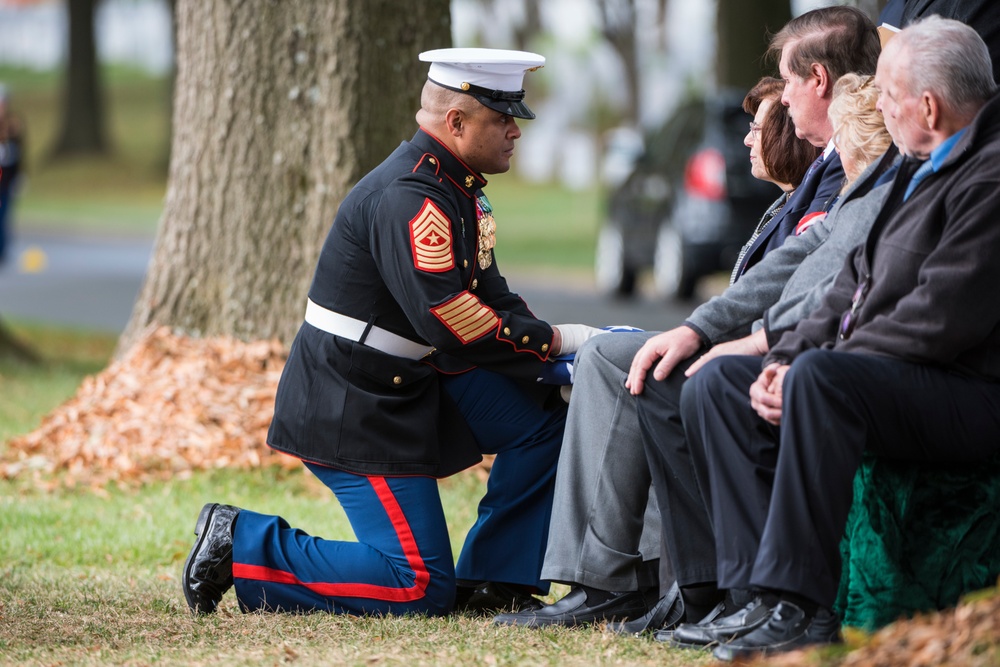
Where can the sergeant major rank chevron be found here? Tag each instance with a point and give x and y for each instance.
(430, 237)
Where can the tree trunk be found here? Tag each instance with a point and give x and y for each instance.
(171, 79)
(279, 108)
(83, 105)
(744, 30)
(525, 33)
(618, 26)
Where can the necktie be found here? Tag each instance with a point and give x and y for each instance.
(813, 167)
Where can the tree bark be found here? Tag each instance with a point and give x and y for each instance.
(82, 125)
(618, 27)
(279, 108)
(744, 30)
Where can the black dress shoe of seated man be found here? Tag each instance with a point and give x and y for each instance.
(723, 629)
(666, 614)
(788, 628)
(208, 571)
(581, 606)
(666, 633)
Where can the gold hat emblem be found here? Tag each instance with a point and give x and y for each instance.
(469, 180)
(465, 85)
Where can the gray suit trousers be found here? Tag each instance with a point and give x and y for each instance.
(605, 526)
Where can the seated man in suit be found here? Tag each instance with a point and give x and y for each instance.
(902, 358)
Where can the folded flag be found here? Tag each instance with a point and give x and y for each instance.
(559, 370)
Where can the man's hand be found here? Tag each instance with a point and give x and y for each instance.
(670, 347)
(753, 345)
(765, 393)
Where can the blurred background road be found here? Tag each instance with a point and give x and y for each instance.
(73, 280)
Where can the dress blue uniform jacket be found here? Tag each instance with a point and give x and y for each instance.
(404, 254)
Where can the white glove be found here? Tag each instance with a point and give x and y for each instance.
(575, 335)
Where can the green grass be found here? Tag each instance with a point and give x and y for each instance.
(92, 578)
(544, 225)
(538, 224)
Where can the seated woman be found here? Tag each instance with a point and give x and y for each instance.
(777, 155)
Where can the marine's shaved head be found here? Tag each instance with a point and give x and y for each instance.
(435, 101)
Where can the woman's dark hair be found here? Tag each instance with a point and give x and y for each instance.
(786, 157)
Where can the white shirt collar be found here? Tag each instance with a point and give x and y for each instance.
(829, 149)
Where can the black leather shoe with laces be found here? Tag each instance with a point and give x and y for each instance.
(787, 628)
(208, 571)
(723, 629)
(574, 609)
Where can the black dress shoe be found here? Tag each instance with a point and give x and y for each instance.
(723, 629)
(208, 571)
(666, 633)
(490, 597)
(573, 609)
(664, 615)
(788, 628)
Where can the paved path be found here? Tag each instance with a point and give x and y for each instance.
(73, 280)
(92, 283)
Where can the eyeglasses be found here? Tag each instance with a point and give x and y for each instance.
(848, 321)
(755, 130)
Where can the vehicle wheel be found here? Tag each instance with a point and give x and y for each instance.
(673, 276)
(613, 275)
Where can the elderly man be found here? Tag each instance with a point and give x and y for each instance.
(902, 359)
(599, 541)
(414, 358)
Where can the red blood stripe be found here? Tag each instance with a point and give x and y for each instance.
(348, 590)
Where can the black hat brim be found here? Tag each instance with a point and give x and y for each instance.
(514, 108)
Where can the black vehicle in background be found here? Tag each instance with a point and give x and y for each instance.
(688, 205)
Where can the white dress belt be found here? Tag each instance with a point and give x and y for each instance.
(352, 329)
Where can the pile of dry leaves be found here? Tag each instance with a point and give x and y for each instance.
(173, 404)
(968, 635)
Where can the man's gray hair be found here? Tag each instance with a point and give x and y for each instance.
(949, 59)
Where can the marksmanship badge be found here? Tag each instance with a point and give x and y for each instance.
(487, 231)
